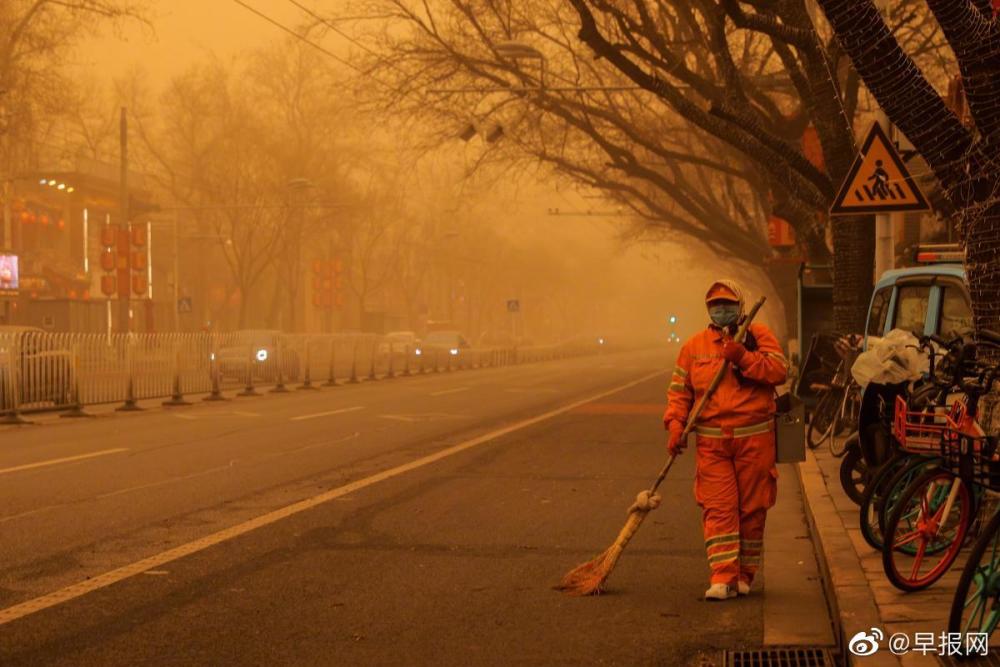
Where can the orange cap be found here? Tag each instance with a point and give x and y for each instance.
(720, 291)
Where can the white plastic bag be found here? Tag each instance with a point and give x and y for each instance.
(891, 360)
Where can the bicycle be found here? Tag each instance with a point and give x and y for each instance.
(976, 605)
(835, 399)
(932, 517)
(915, 429)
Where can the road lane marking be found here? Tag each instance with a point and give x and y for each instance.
(327, 414)
(67, 459)
(449, 391)
(531, 390)
(423, 417)
(622, 409)
(156, 561)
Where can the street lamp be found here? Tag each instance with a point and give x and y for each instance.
(521, 51)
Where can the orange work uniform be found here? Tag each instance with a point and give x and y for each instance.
(736, 479)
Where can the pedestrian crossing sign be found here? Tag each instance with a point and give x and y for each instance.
(878, 181)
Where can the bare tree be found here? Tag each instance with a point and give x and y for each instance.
(963, 159)
(692, 113)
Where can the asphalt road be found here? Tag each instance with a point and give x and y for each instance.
(447, 562)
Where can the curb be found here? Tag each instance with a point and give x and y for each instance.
(851, 599)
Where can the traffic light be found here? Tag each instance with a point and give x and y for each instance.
(673, 319)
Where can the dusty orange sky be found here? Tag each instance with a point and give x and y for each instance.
(186, 30)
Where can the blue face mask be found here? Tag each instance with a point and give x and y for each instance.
(724, 314)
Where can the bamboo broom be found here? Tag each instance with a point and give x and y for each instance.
(589, 578)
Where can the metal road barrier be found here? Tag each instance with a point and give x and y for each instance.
(66, 371)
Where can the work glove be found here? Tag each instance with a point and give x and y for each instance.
(647, 501)
(733, 352)
(676, 443)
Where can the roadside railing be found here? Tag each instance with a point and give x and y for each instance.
(66, 371)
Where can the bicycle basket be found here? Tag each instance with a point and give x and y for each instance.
(924, 431)
(973, 457)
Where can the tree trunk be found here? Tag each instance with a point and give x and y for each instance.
(853, 259)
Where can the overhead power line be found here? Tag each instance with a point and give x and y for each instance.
(311, 43)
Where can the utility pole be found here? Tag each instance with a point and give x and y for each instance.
(177, 278)
(124, 236)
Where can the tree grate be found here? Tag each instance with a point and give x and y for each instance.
(780, 657)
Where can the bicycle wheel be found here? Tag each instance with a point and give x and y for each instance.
(840, 423)
(850, 407)
(854, 474)
(976, 605)
(880, 503)
(822, 419)
(897, 484)
(870, 499)
(933, 514)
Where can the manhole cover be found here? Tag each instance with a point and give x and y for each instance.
(780, 657)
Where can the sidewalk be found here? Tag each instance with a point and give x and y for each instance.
(864, 597)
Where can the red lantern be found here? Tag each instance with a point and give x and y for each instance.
(25, 217)
(108, 260)
(108, 285)
(139, 260)
(86, 295)
(72, 294)
(44, 220)
(139, 284)
(139, 236)
(779, 233)
(108, 236)
(61, 224)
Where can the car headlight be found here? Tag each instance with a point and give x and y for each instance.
(211, 356)
(261, 354)
(418, 352)
(600, 341)
(453, 351)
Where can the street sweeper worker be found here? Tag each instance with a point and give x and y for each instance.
(735, 475)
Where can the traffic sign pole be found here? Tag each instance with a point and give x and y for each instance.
(885, 246)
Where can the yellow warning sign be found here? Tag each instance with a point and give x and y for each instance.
(878, 181)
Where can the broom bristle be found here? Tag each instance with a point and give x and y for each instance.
(588, 578)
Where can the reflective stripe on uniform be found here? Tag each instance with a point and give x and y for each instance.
(680, 371)
(738, 432)
(723, 556)
(674, 386)
(728, 538)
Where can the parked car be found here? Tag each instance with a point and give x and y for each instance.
(41, 369)
(261, 349)
(932, 298)
(442, 342)
(399, 342)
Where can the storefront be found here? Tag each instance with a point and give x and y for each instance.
(56, 218)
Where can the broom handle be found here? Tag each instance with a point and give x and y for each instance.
(693, 416)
